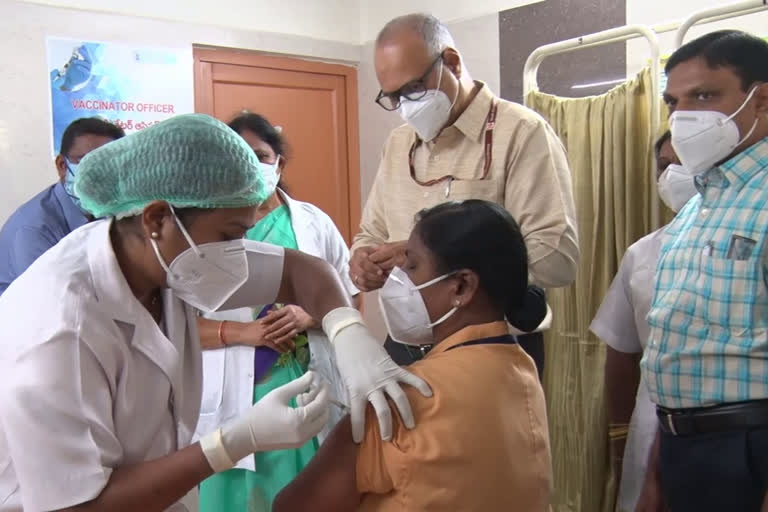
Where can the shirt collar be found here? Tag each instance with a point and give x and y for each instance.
(471, 333)
(108, 280)
(744, 166)
(471, 122)
(72, 214)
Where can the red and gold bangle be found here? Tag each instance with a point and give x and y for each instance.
(221, 333)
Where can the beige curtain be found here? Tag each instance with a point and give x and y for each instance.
(609, 142)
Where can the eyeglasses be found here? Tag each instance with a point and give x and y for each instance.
(413, 90)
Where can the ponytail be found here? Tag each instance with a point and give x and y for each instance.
(528, 314)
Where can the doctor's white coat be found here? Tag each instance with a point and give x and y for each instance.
(88, 381)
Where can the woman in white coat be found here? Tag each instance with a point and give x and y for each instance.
(101, 368)
(276, 344)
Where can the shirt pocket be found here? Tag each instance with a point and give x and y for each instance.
(488, 190)
(214, 362)
(728, 288)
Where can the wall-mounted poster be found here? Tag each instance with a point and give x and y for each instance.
(131, 86)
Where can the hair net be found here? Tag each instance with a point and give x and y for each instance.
(190, 161)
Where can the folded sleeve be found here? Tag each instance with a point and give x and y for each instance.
(373, 225)
(614, 322)
(374, 458)
(539, 195)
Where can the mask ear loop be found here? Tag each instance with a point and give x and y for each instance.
(184, 232)
(744, 104)
(435, 281)
(440, 79)
(160, 258)
(754, 125)
(444, 317)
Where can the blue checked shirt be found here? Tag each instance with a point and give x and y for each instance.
(709, 317)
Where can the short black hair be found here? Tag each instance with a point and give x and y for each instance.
(266, 131)
(88, 126)
(745, 54)
(483, 237)
(667, 135)
(262, 128)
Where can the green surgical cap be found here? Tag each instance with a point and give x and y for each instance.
(190, 161)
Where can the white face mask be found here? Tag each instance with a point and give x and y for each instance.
(270, 173)
(676, 187)
(404, 311)
(205, 276)
(429, 115)
(702, 138)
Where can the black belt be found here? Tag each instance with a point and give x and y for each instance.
(720, 418)
(422, 350)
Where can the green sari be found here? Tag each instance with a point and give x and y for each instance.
(254, 491)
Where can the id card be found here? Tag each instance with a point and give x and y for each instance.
(741, 248)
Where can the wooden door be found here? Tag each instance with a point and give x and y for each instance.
(315, 104)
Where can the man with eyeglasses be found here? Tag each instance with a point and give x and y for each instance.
(52, 214)
(460, 142)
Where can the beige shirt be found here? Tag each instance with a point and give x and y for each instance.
(481, 442)
(529, 176)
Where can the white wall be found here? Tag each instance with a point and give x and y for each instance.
(654, 12)
(332, 20)
(349, 21)
(478, 41)
(25, 162)
(375, 13)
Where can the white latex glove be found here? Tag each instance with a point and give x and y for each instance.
(271, 424)
(368, 372)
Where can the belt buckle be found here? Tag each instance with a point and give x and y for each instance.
(670, 424)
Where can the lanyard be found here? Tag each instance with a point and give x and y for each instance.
(490, 124)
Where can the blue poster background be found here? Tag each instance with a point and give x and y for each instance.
(133, 87)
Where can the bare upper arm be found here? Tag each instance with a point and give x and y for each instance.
(329, 482)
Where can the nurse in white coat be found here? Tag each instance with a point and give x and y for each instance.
(101, 362)
(621, 323)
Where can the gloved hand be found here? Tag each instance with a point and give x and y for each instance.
(368, 372)
(271, 424)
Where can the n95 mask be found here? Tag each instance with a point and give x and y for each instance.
(676, 187)
(205, 276)
(428, 115)
(702, 138)
(404, 311)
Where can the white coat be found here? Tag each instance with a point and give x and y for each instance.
(90, 382)
(228, 373)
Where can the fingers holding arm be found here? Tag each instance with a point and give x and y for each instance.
(368, 371)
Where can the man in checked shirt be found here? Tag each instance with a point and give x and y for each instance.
(706, 362)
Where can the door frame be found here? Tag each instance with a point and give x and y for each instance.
(205, 57)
